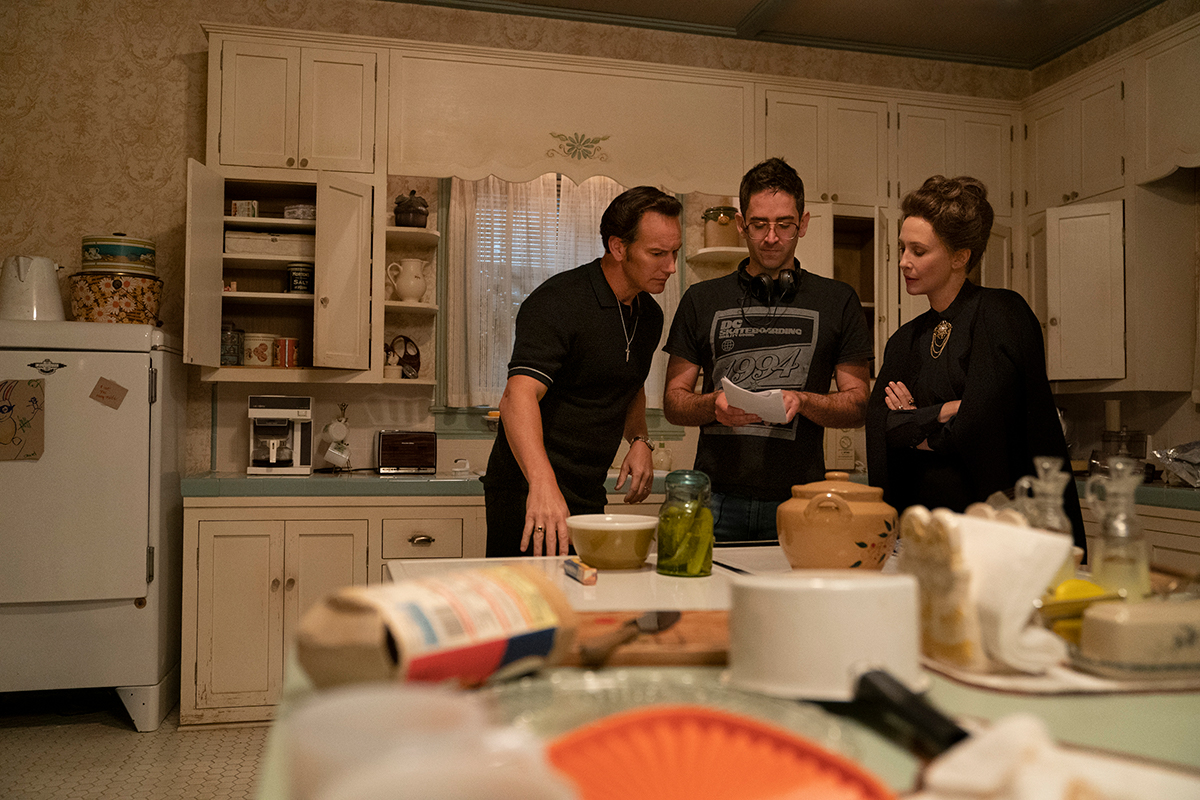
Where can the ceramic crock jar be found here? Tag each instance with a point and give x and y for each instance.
(837, 524)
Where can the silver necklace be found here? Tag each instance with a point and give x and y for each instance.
(628, 336)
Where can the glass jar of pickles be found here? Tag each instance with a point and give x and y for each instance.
(685, 526)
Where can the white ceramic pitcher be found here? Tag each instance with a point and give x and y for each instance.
(407, 279)
(29, 289)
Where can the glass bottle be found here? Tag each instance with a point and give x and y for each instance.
(1121, 559)
(685, 526)
(1040, 499)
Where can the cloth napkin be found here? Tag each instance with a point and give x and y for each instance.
(1009, 566)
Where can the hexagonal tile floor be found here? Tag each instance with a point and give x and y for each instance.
(81, 745)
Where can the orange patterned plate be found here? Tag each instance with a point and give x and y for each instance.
(696, 753)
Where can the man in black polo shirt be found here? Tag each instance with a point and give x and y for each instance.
(585, 340)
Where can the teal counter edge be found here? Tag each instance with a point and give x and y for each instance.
(1182, 497)
(238, 484)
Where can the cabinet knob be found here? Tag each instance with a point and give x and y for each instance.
(1054, 320)
(835, 197)
(275, 585)
(420, 540)
(304, 162)
(291, 584)
(324, 302)
(1074, 195)
(824, 196)
(291, 162)
(1066, 198)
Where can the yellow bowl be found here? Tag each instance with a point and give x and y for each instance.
(612, 541)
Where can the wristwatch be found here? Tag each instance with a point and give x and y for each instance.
(645, 439)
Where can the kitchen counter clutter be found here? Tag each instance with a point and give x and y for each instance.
(359, 484)
(1146, 738)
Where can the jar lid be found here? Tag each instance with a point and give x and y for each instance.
(838, 483)
(687, 477)
(722, 214)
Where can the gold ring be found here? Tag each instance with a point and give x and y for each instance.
(539, 529)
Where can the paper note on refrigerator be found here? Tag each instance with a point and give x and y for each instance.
(767, 404)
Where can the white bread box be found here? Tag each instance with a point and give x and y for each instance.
(276, 244)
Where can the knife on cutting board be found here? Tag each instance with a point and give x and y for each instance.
(595, 651)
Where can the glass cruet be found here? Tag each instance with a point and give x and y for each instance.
(1040, 499)
(1120, 561)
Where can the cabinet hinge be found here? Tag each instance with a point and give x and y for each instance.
(1011, 134)
(1122, 165)
(897, 120)
(766, 107)
(1026, 127)
(1026, 197)
(1122, 90)
(1010, 262)
(1027, 261)
(149, 565)
(889, 183)
(153, 386)
(1011, 200)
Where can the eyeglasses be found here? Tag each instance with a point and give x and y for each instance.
(785, 231)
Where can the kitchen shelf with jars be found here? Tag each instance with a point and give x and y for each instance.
(410, 287)
(286, 264)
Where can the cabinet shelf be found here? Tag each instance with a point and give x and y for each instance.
(261, 260)
(271, 298)
(412, 236)
(276, 224)
(719, 255)
(408, 306)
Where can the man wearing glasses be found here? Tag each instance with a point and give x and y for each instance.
(769, 326)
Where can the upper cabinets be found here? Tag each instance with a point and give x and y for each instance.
(839, 145)
(296, 107)
(474, 113)
(940, 141)
(1165, 92)
(1075, 145)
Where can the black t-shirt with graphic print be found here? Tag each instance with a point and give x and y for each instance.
(785, 345)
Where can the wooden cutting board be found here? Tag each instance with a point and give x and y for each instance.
(699, 638)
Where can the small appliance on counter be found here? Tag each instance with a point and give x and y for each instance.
(281, 438)
(406, 452)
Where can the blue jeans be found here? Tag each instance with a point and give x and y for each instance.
(740, 519)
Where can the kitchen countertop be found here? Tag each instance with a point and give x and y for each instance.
(350, 484)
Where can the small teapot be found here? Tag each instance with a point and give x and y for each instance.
(837, 524)
(411, 211)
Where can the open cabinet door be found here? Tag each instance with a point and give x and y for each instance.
(884, 312)
(342, 310)
(202, 265)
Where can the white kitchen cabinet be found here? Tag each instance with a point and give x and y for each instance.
(1165, 95)
(247, 583)
(296, 107)
(1085, 291)
(838, 145)
(941, 141)
(469, 113)
(253, 566)
(1075, 144)
(332, 322)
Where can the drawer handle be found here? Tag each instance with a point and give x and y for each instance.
(420, 540)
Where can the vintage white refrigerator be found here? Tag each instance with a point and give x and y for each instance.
(91, 520)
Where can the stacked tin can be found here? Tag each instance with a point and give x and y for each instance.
(117, 282)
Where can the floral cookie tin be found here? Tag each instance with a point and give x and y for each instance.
(115, 297)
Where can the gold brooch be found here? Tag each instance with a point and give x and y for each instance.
(941, 335)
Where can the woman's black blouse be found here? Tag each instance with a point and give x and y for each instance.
(994, 362)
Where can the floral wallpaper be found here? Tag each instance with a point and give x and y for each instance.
(102, 103)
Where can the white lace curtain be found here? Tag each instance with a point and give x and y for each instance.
(505, 239)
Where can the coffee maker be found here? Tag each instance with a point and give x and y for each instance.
(281, 441)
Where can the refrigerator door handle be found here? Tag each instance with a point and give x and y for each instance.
(153, 385)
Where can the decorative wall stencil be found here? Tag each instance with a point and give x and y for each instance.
(22, 424)
(579, 147)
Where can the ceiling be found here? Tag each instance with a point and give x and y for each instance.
(1021, 34)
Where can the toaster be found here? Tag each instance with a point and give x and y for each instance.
(408, 452)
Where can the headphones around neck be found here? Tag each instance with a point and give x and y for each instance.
(767, 291)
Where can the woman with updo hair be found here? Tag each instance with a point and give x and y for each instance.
(962, 404)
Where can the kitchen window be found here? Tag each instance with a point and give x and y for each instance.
(506, 239)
